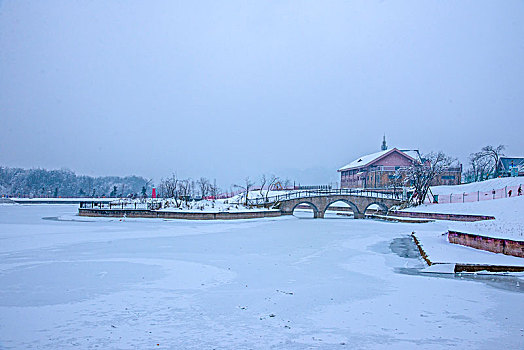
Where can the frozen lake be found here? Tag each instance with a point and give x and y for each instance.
(285, 283)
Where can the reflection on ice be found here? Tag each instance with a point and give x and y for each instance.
(505, 282)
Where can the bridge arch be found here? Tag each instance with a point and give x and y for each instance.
(316, 212)
(381, 206)
(352, 205)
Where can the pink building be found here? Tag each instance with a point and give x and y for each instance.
(380, 170)
(376, 170)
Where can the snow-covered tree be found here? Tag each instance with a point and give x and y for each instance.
(63, 182)
(483, 164)
(421, 174)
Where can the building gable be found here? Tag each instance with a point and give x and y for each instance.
(389, 158)
(393, 158)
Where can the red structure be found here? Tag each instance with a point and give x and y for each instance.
(375, 170)
(380, 170)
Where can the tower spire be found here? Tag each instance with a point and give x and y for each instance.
(384, 146)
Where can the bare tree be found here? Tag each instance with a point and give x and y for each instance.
(169, 188)
(161, 188)
(144, 188)
(494, 153)
(193, 187)
(203, 186)
(246, 186)
(185, 190)
(270, 181)
(271, 184)
(483, 164)
(214, 191)
(263, 181)
(421, 174)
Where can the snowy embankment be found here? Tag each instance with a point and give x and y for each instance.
(508, 224)
(207, 206)
(440, 251)
(483, 186)
(233, 205)
(508, 213)
(239, 198)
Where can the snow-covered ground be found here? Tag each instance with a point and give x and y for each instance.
(239, 198)
(439, 250)
(508, 213)
(282, 283)
(483, 186)
(208, 206)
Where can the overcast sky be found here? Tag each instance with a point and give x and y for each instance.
(227, 89)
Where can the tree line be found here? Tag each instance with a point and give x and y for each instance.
(420, 176)
(184, 190)
(65, 183)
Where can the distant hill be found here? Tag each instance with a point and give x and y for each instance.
(65, 183)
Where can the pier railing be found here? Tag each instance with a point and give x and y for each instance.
(157, 204)
(118, 205)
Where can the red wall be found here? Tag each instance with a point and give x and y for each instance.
(394, 159)
(495, 245)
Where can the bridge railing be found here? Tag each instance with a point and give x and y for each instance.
(327, 192)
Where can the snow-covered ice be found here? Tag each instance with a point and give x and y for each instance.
(283, 283)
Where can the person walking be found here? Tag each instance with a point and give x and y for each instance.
(509, 192)
(519, 191)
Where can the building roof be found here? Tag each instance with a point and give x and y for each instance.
(506, 162)
(413, 153)
(371, 158)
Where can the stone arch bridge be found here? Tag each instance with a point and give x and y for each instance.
(320, 200)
